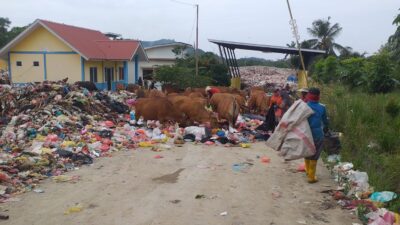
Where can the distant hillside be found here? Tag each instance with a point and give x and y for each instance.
(253, 61)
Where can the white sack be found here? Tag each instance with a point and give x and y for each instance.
(293, 137)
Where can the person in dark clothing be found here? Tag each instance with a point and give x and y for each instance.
(319, 125)
(140, 82)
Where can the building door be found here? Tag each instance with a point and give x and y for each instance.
(109, 76)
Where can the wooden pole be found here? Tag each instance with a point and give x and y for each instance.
(197, 40)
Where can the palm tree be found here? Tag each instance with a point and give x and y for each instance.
(324, 34)
(394, 40)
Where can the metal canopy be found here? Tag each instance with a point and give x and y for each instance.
(227, 52)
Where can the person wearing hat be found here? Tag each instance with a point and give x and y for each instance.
(318, 122)
(303, 92)
(211, 91)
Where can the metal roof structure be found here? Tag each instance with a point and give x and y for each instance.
(227, 52)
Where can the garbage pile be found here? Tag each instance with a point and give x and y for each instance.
(48, 129)
(354, 193)
(261, 75)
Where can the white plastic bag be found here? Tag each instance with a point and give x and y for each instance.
(198, 132)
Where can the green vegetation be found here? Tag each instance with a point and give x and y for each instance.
(324, 34)
(6, 34)
(371, 127)
(376, 74)
(253, 61)
(182, 74)
(363, 102)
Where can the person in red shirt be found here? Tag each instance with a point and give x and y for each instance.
(276, 102)
(211, 91)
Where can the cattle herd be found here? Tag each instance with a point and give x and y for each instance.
(193, 106)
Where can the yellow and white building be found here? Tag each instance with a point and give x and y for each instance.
(48, 51)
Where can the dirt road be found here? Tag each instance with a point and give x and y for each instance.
(133, 187)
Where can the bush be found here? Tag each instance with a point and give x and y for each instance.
(181, 77)
(377, 74)
(370, 137)
(392, 108)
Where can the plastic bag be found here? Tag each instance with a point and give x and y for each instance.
(384, 196)
(361, 179)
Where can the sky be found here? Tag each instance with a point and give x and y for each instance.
(366, 24)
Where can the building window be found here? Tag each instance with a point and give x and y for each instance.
(93, 74)
(19, 63)
(35, 63)
(121, 73)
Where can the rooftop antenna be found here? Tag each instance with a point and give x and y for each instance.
(196, 49)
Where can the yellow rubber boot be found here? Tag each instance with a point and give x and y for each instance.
(307, 165)
(311, 171)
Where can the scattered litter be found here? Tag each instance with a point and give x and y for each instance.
(384, 196)
(265, 159)
(223, 214)
(176, 201)
(74, 209)
(4, 216)
(66, 178)
(158, 156)
(241, 167)
(199, 196)
(301, 222)
(38, 190)
(301, 167)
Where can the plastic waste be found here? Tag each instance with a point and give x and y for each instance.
(132, 115)
(384, 196)
(333, 158)
(245, 145)
(74, 209)
(265, 159)
(301, 167)
(360, 179)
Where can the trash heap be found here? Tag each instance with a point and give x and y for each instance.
(48, 129)
(354, 193)
(261, 75)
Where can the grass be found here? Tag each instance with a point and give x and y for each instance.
(371, 131)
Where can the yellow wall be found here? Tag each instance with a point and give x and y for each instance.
(41, 40)
(98, 65)
(27, 72)
(60, 66)
(3, 64)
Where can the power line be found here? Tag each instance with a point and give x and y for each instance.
(183, 3)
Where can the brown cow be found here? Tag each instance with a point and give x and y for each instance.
(156, 93)
(158, 109)
(226, 106)
(241, 101)
(195, 95)
(193, 108)
(258, 102)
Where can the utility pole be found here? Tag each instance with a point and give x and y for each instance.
(196, 52)
(295, 34)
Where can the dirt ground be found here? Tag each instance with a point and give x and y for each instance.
(193, 184)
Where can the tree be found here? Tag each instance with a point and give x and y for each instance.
(7, 35)
(4, 24)
(324, 34)
(394, 40)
